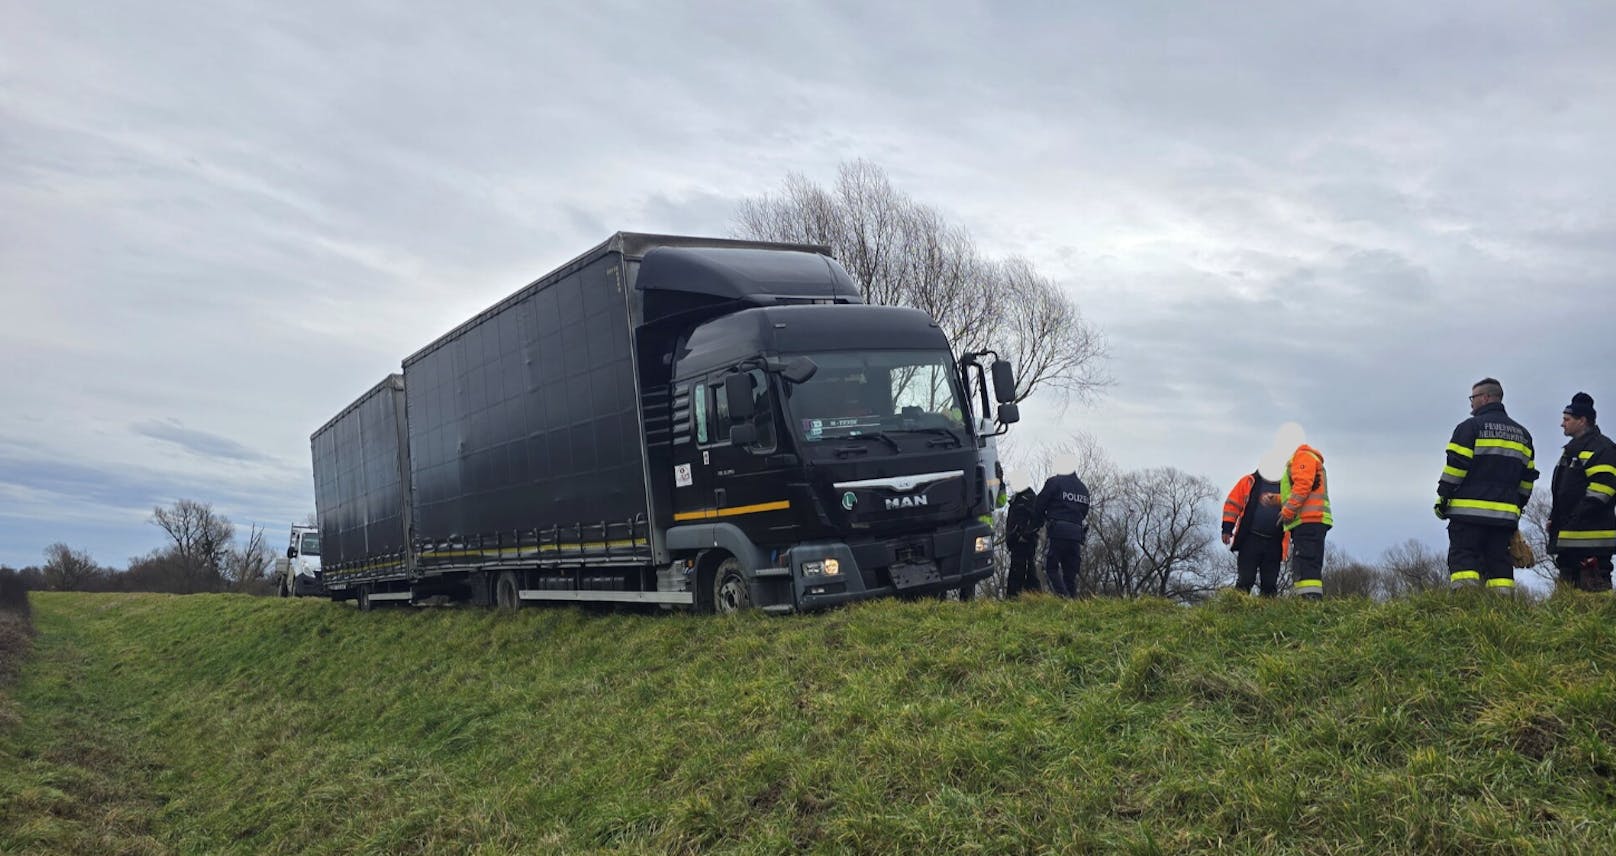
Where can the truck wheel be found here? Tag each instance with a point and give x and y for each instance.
(506, 591)
(364, 599)
(284, 592)
(730, 591)
(967, 592)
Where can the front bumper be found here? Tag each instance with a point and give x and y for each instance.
(911, 565)
(304, 585)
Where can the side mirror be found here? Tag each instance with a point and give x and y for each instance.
(738, 395)
(291, 552)
(1009, 414)
(799, 370)
(1004, 383)
(743, 435)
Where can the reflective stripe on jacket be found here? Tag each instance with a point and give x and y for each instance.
(1304, 492)
(1584, 512)
(1490, 469)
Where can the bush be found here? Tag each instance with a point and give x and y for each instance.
(13, 592)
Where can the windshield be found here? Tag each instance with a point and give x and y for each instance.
(310, 545)
(878, 392)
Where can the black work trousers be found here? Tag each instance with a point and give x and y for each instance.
(1063, 561)
(1258, 560)
(1588, 570)
(1477, 552)
(1307, 558)
(1023, 572)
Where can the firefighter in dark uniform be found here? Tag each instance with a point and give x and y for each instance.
(1582, 520)
(1064, 505)
(1021, 539)
(1487, 481)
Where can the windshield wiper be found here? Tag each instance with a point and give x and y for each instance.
(872, 435)
(943, 436)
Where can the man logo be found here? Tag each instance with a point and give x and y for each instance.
(849, 500)
(898, 502)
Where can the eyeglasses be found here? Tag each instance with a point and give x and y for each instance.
(1476, 395)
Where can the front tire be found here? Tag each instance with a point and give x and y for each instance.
(364, 599)
(731, 592)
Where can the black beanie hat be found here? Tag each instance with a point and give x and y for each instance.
(1582, 407)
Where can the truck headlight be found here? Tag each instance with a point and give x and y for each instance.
(822, 567)
(984, 543)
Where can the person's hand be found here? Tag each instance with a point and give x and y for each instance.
(1441, 509)
(1227, 537)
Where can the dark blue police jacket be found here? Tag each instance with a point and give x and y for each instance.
(1064, 502)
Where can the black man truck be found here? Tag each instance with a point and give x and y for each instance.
(707, 423)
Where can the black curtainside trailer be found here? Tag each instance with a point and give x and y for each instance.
(361, 487)
(679, 421)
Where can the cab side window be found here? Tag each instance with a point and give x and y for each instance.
(714, 403)
(698, 413)
(720, 413)
(762, 410)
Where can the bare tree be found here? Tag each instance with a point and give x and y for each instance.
(1221, 569)
(1412, 567)
(202, 539)
(249, 565)
(1151, 534)
(1535, 529)
(1043, 333)
(903, 253)
(1345, 576)
(67, 569)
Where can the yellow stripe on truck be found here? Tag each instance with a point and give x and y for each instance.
(710, 513)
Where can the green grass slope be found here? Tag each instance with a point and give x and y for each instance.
(219, 723)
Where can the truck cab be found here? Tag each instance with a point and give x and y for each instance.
(832, 454)
(298, 572)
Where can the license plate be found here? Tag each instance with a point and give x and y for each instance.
(911, 574)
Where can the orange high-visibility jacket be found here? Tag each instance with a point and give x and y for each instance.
(1235, 509)
(1305, 491)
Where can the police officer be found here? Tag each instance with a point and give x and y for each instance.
(1487, 481)
(1021, 539)
(1064, 504)
(1582, 520)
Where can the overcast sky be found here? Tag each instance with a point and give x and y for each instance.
(221, 222)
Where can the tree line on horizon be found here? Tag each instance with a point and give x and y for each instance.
(203, 554)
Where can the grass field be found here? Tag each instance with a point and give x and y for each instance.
(222, 723)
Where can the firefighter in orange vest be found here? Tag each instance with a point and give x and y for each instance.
(1251, 529)
(1304, 498)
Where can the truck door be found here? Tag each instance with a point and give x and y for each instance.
(692, 494)
(749, 482)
